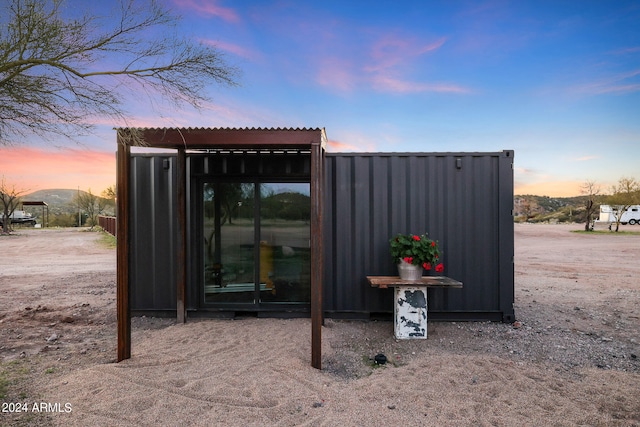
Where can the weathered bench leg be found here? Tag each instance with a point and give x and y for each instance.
(410, 312)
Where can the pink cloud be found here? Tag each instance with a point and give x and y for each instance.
(391, 51)
(525, 171)
(209, 8)
(616, 84)
(391, 55)
(129, 121)
(586, 158)
(627, 50)
(390, 84)
(357, 142)
(233, 48)
(31, 169)
(344, 57)
(336, 73)
(338, 146)
(385, 65)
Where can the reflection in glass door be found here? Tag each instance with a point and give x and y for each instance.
(229, 237)
(285, 236)
(235, 217)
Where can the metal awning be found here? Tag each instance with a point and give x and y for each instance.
(274, 141)
(216, 138)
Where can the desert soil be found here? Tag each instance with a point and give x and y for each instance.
(570, 359)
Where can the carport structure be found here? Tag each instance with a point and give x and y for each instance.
(45, 219)
(194, 142)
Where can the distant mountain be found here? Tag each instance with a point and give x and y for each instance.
(59, 201)
(54, 198)
(549, 209)
(52, 195)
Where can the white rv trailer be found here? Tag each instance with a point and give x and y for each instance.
(610, 214)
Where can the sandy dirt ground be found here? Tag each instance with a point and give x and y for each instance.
(571, 359)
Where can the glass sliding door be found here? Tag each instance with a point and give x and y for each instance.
(229, 235)
(285, 237)
(256, 244)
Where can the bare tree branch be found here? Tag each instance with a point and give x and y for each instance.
(92, 205)
(9, 200)
(58, 73)
(591, 190)
(624, 194)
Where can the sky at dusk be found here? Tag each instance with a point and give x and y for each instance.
(556, 81)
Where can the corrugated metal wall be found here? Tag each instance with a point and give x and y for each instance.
(153, 228)
(463, 200)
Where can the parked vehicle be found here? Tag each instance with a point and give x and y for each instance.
(20, 217)
(610, 214)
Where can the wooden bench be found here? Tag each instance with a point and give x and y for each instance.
(410, 296)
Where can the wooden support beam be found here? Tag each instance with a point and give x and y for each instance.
(317, 181)
(181, 259)
(182, 139)
(123, 245)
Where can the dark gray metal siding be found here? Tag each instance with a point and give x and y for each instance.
(369, 197)
(152, 268)
(463, 200)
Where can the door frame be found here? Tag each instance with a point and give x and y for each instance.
(257, 306)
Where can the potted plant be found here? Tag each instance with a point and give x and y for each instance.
(413, 253)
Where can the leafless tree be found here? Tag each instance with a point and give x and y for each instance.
(91, 204)
(591, 190)
(57, 73)
(625, 194)
(9, 200)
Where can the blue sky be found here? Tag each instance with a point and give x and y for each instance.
(556, 81)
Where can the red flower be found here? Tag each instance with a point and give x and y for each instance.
(426, 266)
(433, 244)
(439, 268)
(408, 259)
(416, 238)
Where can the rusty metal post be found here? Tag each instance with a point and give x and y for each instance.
(316, 254)
(123, 314)
(181, 259)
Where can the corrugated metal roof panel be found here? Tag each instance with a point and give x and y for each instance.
(201, 128)
(198, 138)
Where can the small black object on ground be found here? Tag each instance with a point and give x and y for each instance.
(380, 359)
